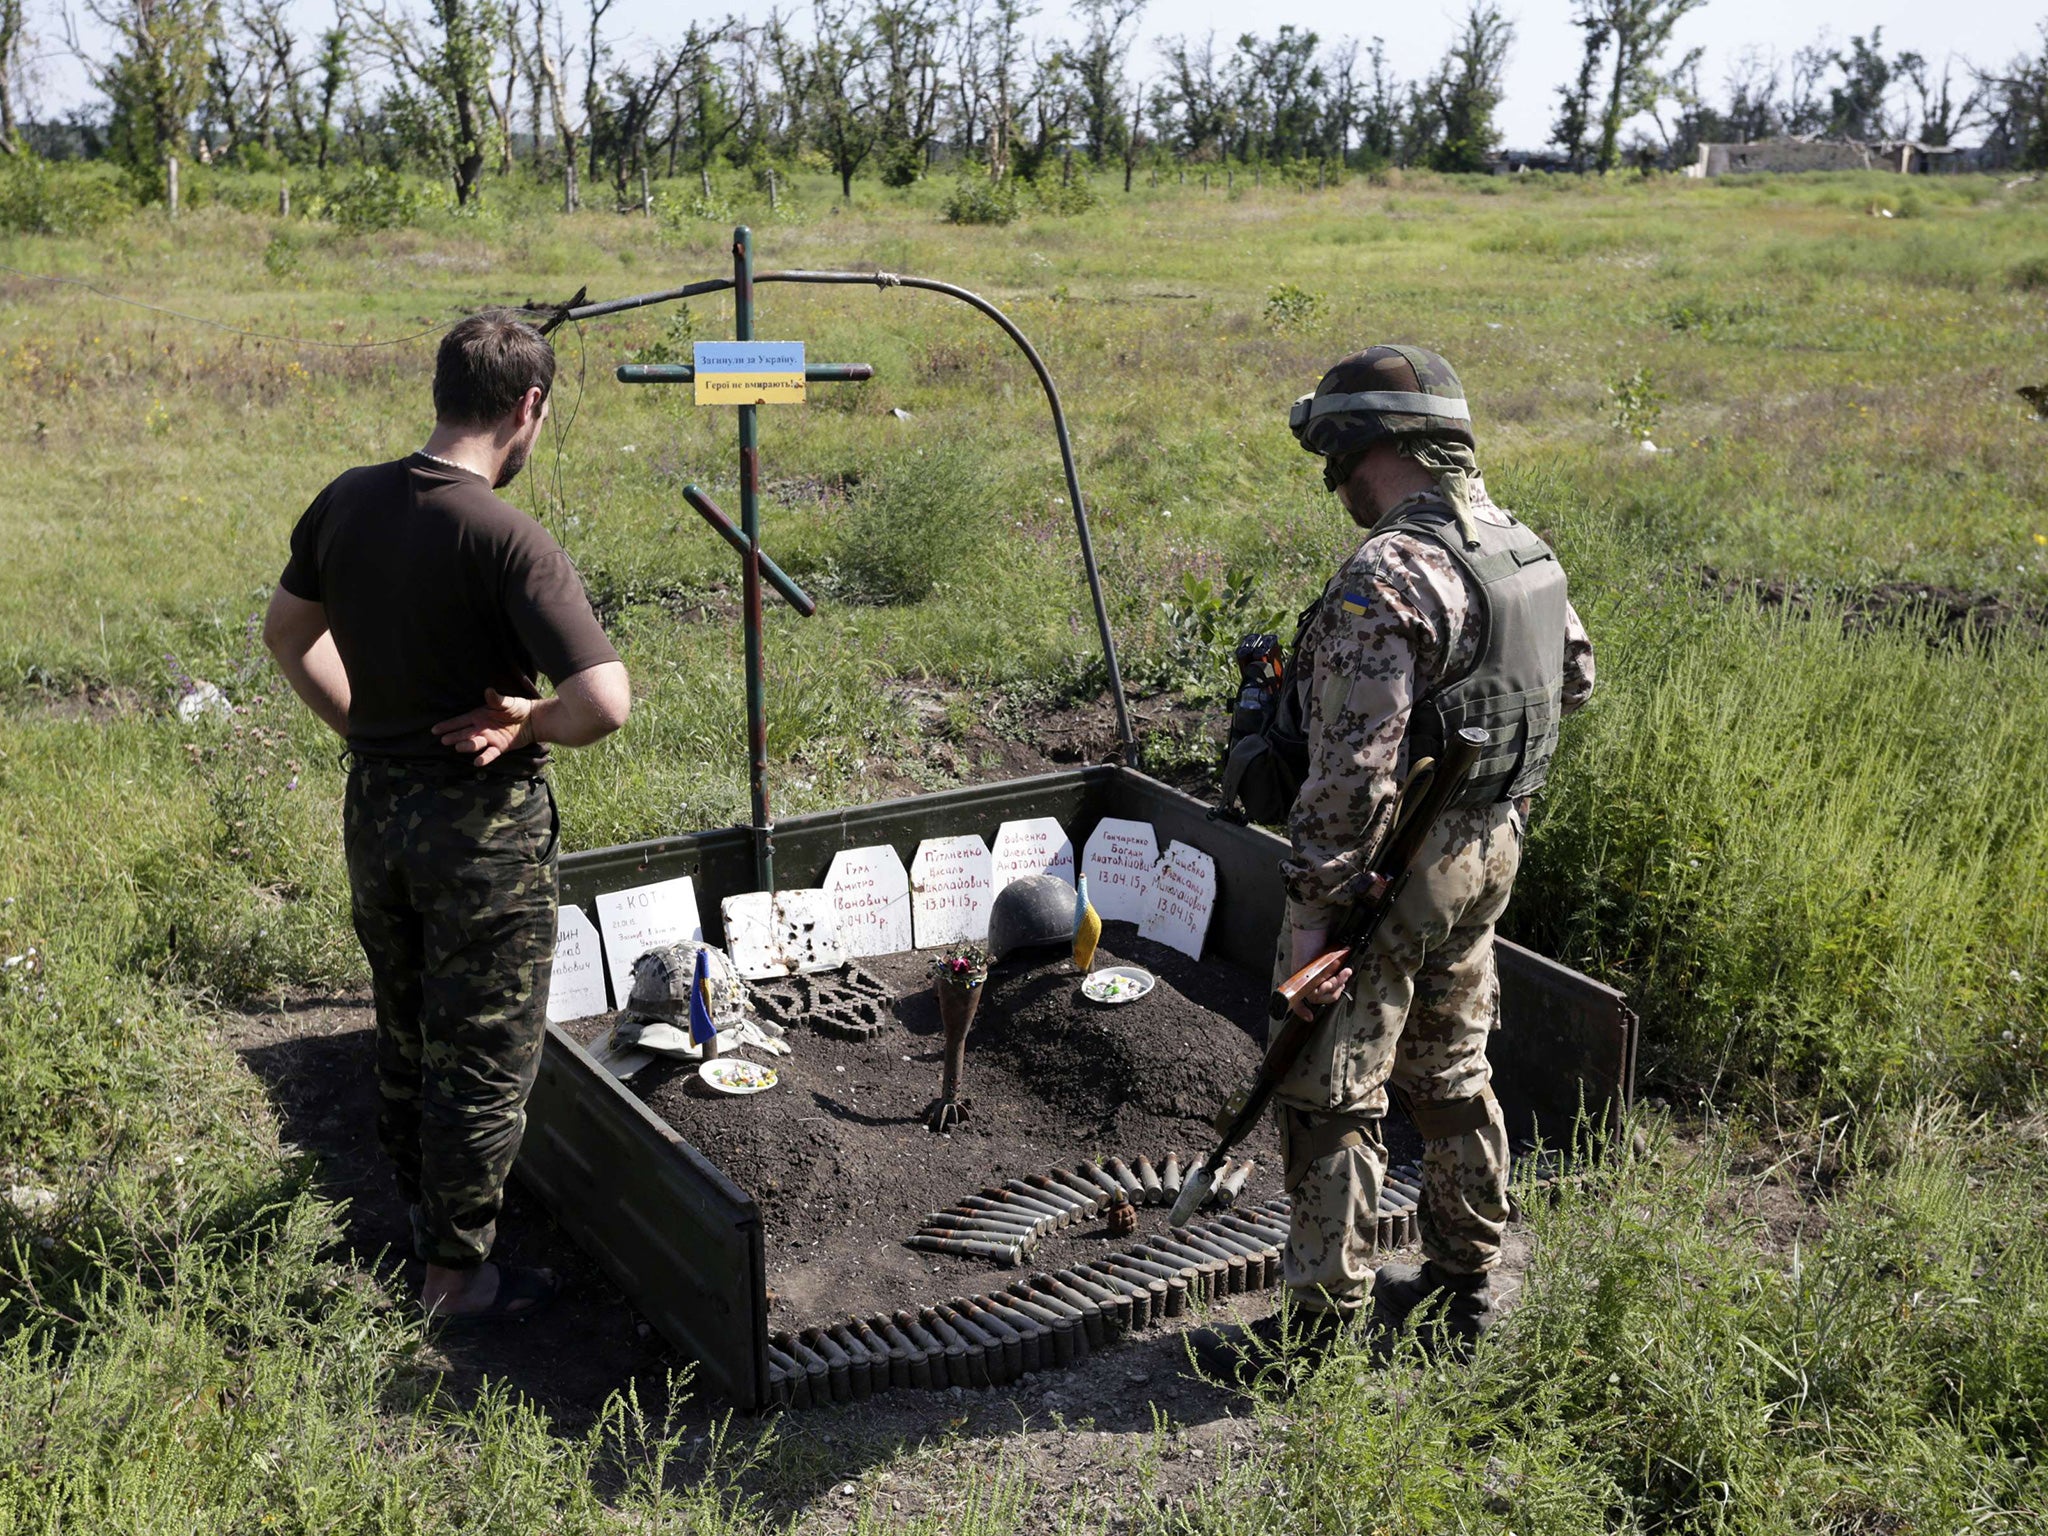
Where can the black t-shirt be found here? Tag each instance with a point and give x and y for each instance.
(436, 589)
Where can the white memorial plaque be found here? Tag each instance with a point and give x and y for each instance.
(871, 898)
(783, 934)
(576, 984)
(1119, 861)
(636, 921)
(951, 887)
(1039, 846)
(1183, 897)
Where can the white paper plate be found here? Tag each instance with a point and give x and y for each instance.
(1117, 984)
(735, 1074)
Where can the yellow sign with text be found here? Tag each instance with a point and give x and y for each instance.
(749, 372)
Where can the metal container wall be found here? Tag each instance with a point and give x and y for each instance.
(685, 1243)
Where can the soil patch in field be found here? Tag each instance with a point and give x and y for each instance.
(1948, 613)
(838, 1156)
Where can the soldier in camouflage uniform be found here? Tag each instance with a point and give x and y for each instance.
(1449, 614)
(412, 593)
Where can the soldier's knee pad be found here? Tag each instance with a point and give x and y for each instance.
(1307, 1137)
(1444, 1118)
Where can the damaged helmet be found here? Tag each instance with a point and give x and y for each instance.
(661, 984)
(1384, 391)
(1034, 912)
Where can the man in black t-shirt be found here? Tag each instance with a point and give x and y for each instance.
(415, 617)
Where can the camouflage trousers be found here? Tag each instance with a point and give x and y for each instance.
(452, 885)
(1420, 1012)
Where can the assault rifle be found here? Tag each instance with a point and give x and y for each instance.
(1430, 788)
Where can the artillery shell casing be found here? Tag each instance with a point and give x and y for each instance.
(1086, 1313)
(1032, 1338)
(1068, 1307)
(1238, 1270)
(882, 1360)
(1062, 1324)
(1231, 1185)
(1115, 1304)
(1039, 1207)
(1085, 1204)
(1006, 1254)
(1087, 1189)
(817, 1372)
(791, 1382)
(1170, 1177)
(903, 1355)
(1001, 1215)
(1260, 1255)
(970, 1367)
(1146, 1303)
(1198, 1270)
(946, 1224)
(1148, 1180)
(860, 1365)
(985, 1221)
(1121, 1172)
(1008, 1339)
(1096, 1174)
(996, 1368)
(1021, 1193)
(1176, 1284)
(840, 1363)
(929, 1366)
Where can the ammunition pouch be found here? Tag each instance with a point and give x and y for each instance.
(1307, 1137)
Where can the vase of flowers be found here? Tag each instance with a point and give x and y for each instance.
(957, 978)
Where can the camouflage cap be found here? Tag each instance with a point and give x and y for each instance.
(1384, 391)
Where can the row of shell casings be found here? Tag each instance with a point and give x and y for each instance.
(1400, 1199)
(1043, 1322)
(1005, 1224)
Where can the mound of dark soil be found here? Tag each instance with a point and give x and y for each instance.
(838, 1157)
(1947, 614)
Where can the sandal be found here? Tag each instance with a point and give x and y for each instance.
(522, 1293)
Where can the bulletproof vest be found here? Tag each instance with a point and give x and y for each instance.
(1512, 688)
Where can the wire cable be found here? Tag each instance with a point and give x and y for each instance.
(222, 325)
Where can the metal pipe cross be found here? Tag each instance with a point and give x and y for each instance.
(746, 537)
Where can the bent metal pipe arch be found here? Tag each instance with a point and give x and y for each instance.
(1052, 398)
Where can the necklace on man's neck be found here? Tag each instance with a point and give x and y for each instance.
(450, 463)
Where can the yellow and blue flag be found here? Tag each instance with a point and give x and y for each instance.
(702, 1030)
(1087, 926)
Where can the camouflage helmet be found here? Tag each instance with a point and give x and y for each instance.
(661, 984)
(1384, 391)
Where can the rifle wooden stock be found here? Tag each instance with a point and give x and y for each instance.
(1309, 976)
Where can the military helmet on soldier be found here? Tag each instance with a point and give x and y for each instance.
(1382, 392)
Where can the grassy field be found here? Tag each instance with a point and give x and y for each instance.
(1803, 824)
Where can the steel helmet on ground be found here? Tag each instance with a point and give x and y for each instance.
(1029, 913)
(1384, 391)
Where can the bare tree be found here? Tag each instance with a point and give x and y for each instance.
(1940, 114)
(1575, 99)
(1641, 30)
(155, 80)
(844, 90)
(13, 46)
(445, 71)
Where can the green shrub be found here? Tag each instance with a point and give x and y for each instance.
(373, 199)
(924, 514)
(1064, 198)
(1292, 308)
(2029, 274)
(38, 198)
(902, 165)
(977, 200)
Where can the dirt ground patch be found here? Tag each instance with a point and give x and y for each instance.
(844, 1170)
(1949, 613)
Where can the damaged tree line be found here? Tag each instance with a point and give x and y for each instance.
(893, 89)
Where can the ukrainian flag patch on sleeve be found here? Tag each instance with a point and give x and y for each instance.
(1355, 602)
